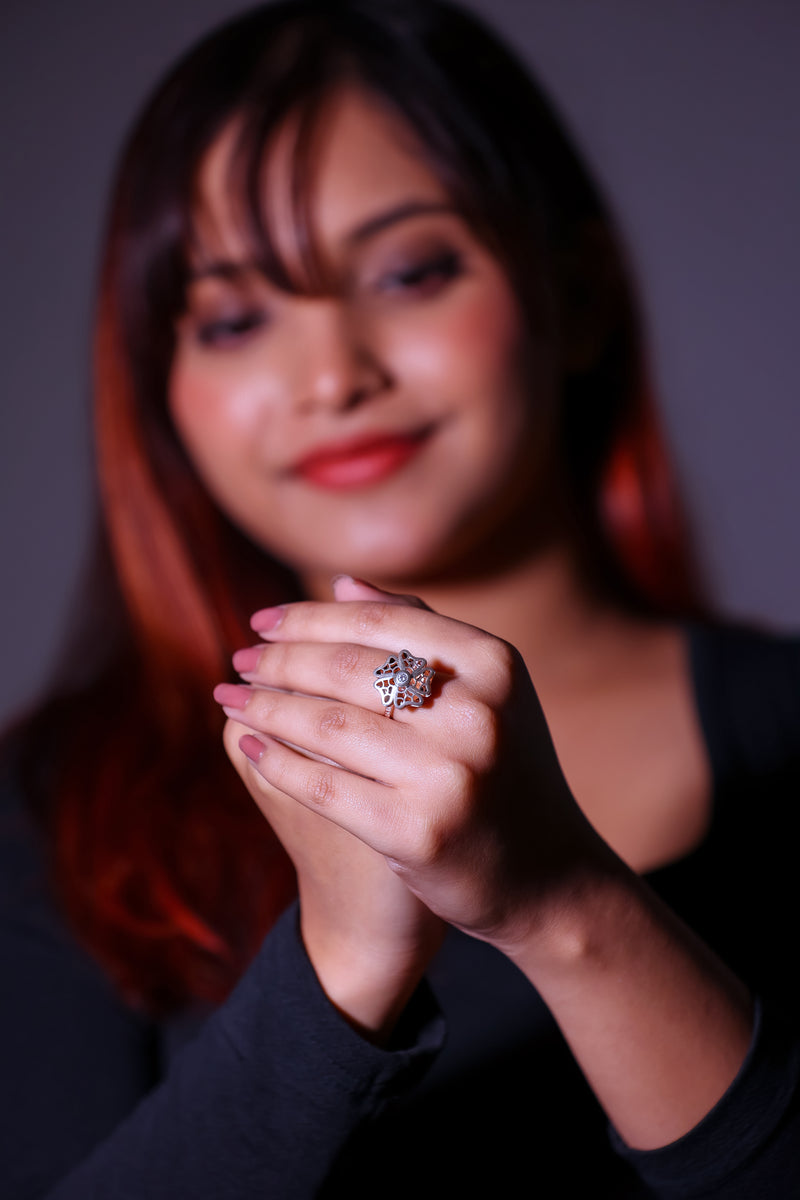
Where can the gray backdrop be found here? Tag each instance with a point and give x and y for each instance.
(688, 110)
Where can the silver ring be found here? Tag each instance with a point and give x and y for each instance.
(403, 681)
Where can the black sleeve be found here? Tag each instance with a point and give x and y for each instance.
(748, 1146)
(258, 1104)
(739, 893)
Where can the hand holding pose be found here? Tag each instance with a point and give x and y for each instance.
(465, 801)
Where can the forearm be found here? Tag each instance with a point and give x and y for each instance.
(262, 1101)
(657, 1023)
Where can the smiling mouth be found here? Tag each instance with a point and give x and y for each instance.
(360, 462)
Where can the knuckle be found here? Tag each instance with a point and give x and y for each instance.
(418, 847)
(479, 726)
(471, 715)
(370, 617)
(454, 785)
(345, 664)
(276, 655)
(430, 846)
(282, 774)
(262, 704)
(487, 733)
(321, 789)
(331, 721)
(501, 664)
(506, 656)
(431, 837)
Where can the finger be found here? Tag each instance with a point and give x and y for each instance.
(448, 645)
(325, 669)
(345, 587)
(344, 735)
(244, 749)
(361, 806)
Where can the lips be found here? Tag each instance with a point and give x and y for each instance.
(360, 462)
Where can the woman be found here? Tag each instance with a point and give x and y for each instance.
(362, 310)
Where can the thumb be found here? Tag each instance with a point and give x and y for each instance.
(345, 587)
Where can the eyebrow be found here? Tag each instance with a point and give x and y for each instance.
(231, 270)
(401, 212)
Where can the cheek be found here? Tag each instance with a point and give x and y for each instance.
(489, 328)
(510, 371)
(470, 350)
(212, 415)
(500, 381)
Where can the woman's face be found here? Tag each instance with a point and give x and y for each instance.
(391, 427)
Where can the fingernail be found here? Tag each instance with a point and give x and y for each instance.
(247, 658)
(267, 618)
(251, 747)
(231, 696)
(354, 579)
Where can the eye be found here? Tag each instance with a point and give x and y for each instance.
(229, 331)
(425, 277)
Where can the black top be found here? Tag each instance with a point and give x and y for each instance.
(273, 1095)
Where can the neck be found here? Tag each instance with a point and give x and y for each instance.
(539, 605)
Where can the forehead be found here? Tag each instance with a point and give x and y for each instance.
(361, 161)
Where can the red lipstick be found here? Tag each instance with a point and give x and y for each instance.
(359, 462)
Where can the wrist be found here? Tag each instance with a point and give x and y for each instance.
(367, 978)
(563, 923)
(659, 1025)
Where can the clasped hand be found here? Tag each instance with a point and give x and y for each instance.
(458, 813)
(462, 800)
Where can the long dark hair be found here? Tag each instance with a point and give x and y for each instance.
(163, 863)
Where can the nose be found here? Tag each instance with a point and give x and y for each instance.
(342, 368)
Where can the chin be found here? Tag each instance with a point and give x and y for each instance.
(398, 557)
